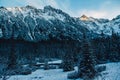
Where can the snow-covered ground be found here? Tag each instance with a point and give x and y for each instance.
(52, 62)
(55, 74)
(112, 73)
(57, 61)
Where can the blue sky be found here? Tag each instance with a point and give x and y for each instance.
(93, 8)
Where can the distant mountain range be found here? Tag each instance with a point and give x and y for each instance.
(101, 25)
(32, 24)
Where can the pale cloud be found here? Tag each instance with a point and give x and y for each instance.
(65, 6)
(104, 11)
(42, 3)
(93, 13)
(99, 13)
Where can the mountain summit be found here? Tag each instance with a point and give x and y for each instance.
(84, 18)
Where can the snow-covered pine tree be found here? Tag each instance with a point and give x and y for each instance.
(86, 67)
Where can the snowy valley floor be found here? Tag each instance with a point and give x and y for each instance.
(112, 73)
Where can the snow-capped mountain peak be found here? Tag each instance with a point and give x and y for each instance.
(47, 13)
(84, 18)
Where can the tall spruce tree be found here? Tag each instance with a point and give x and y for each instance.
(102, 55)
(114, 54)
(68, 62)
(86, 67)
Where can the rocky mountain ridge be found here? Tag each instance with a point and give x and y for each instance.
(32, 24)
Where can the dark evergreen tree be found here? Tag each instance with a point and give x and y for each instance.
(12, 59)
(86, 68)
(68, 62)
(46, 65)
(108, 48)
(114, 47)
(102, 54)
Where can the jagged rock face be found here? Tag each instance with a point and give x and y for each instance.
(32, 24)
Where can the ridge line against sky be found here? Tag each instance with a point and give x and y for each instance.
(94, 8)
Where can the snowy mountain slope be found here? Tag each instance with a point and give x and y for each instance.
(32, 24)
(48, 12)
